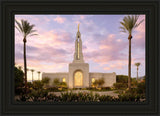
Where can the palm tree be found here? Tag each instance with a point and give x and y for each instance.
(137, 64)
(38, 75)
(20, 67)
(26, 29)
(128, 24)
(28, 69)
(32, 70)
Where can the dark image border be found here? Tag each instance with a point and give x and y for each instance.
(8, 10)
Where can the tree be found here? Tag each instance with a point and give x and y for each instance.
(38, 84)
(56, 82)
(101, 82)
(26, 29)
(19, 80)
(122, 79)
(45, 80)
(18, 77)
(32, 70)
(137, 64)
(63, 84)
(98, 82)
(127, 25)
(38, 75)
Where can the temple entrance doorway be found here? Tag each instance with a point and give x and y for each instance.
(78, 79)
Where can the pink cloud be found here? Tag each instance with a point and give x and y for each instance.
(116, 65)
(109, 49)
(59, 19)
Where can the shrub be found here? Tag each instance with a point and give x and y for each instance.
(106, 88)
(56, 82)
(37, 84)
(45, 80)
(99, 82)
(120, 85)
(129, 97)
(141, 88)
(63, 84)
(105, 98)
(121, 79)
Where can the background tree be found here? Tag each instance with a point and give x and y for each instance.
(18, 76)
(38, 75)
(56, 82)
(122, 79)
(26, 29)
(137, 64)
(121, 82)
(128, 24)
(32, 70)
(28, 69)
(45, 80)
(20, 67)
(19, 80)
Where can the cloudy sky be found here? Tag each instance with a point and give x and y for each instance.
(105, 48)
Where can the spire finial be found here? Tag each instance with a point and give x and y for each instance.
(78, 27)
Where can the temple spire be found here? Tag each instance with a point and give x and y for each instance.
(78, 55)
(78, 27)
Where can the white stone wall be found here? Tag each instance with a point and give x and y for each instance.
(109, 78)
(52, 76)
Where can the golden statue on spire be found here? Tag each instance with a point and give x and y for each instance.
(78, 27)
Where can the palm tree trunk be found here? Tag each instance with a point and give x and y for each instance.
(129, 63)
(137, 74)
(25, 64)
(32, 77)
(38, 76)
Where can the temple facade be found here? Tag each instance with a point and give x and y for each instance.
(79, 75)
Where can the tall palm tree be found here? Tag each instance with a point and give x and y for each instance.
(26, 29)
(137, 64)
(38, 75)
(32, 70)
(128, 24)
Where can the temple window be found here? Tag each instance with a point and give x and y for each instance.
(64, 80)
(93, 80)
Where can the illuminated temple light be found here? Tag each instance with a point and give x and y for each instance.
(93, 80)
(64, 80)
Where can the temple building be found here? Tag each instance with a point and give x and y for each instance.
(79, 75)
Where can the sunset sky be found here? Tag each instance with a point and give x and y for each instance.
(105, 48)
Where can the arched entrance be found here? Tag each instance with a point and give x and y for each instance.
(78, 79)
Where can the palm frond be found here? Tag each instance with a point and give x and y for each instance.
(123, 29)
(19, 26)
(136, 25)
(25, 28)
(129, 23)
(33, 34)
